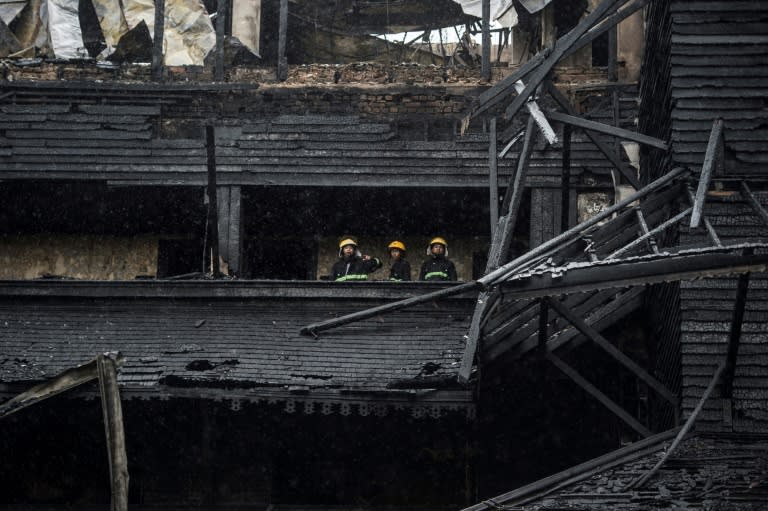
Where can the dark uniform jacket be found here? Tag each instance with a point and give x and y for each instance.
(438, 268)
(401, 270)
(354, 268)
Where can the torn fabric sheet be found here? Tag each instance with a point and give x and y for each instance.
(9, 9)
(188, 35)
(502, 11)
(64, 29)
(534, 6)
(112, 22)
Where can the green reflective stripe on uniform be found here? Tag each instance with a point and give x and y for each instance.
(435, 274)
(352, 276)
(396, 280)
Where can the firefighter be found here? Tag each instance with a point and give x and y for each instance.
(400, 269)
(352, 265)
(437, 266)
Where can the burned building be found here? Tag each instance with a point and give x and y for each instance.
(175, 180)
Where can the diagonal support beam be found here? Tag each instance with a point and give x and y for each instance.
(114, 430)
(639, 271)
(649, 234)
(638, 483)
(607, 129)
(609, 348)
(597, 394)
(626, 171)
(754, 203)
(513, 198)
(62, 382)
(734, 337)
(712, 160)
(538, 115)
(561, 46)
(502, 89)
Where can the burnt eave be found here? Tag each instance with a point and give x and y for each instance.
(269, 289)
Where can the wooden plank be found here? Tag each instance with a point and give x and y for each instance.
(607, 129)
(600, 396)
(734, 336)
(157, 41)
(213, 212)
(282, 38)
(485, 70)
(712, 161)
(222, 19)
(565, 196)
(114, 430)
(609, 348)
(649, 235)
(756, 206)
(493, 173)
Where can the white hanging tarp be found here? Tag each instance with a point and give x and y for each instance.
(9, 9)
(64, 29)
(188, 34)
(502, 11)
(534, 6)
(112, 22)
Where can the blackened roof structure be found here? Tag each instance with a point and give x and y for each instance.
(215, 337)
(704, 472)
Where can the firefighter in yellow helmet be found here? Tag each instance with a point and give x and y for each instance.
(437, 265)
(352, 265)
(400, 269)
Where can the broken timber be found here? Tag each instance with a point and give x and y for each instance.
(103, 368)
(638, 483)
(607, 129)
(712, 160)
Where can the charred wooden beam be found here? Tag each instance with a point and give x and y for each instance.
(114, 431)
(711, 161)
(638, 483)
(609, 348)
(157, 41)
(606, 24)
(754, 203)
(626, 171)
(600, 396)
(535, 111)
(213, 210)
(563, 44)
(493, 174)
(646, 232)
(578, 231)
(652, 269)
(222, 18)
(607, 129)
(580, 472)
(500, 247)
(734, 337)
(543, 334)
(565, 198)
(486, 40)
(282, 38)
(62, 382)
(316, 328)
(649, 234)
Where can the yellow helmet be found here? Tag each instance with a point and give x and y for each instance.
(397, 244)
(347, 241)
(438, 240)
